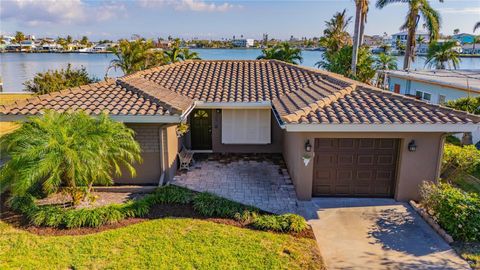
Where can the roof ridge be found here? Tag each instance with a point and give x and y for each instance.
(56, 93)
(159, 94)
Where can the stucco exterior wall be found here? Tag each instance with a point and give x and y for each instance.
(148, 171)
(172, 146)
(413, 167)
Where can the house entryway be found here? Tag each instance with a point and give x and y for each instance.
(201, 129)
(260, 180)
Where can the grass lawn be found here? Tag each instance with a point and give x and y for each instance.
(168, 243)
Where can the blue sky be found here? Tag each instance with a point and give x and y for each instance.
(208, 19)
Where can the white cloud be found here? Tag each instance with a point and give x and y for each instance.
(470, 10)
(37, 12)
(189, 5)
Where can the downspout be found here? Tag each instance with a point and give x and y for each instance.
(162, 156)
(440, 157)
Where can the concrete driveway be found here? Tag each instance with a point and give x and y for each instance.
(377, 234)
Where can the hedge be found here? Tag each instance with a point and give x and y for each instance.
(456, 211)
(206, 204)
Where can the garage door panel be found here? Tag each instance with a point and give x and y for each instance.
(355, 167)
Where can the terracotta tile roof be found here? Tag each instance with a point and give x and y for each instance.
(366, 105)
(231, 80)
(93, 99)
(298, 95)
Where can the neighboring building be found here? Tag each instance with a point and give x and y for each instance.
(464, 38)
(244, 43)
(423, 47)
(338, 137)
(103, 47)
(402, 36)
(436, 86)
(471, 48)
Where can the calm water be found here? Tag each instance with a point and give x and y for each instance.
(16, 68)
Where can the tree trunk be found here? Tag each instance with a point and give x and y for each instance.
(356, 38)
(409, 49)
(362, 30)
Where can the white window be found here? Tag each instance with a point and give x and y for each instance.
(423, 95)
(247, 126)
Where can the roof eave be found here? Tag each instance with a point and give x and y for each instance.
(119, 118)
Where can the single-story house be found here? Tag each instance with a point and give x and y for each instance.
(338, 137)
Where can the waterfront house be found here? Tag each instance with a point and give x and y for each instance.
(471, 48)
(464, 38)
(243, 42)
(402, 37)
(338, 137)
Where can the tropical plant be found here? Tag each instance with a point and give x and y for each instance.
(459, 161)
(283, 52)
(468, 104)
(441, 55)
(84, 41)
(56, 80)
(340, 62)
(476, 26)
(384, 62)
(132, 56)
(335, 35)
(361, 7)
(189, 55)
(19, 37)
(416, 9)
(72, 151)
(456, 31)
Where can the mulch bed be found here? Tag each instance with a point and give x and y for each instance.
(156, 212)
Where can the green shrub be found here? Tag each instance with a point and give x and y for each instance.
(281, 223)
(456, 211)
(172, 194)
(211, 205)
(458, 161)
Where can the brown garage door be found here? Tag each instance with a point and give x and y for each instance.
(355, 167)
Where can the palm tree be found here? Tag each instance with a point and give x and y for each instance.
(189, 55)
(335, 35)
(283, 52)
(416, 9)
(360, 20)
(84, 41)
(385, 62)
(476, 26)
(173, 55)
(441, 55)
(132, 56)
(71, 150)
(19, 37)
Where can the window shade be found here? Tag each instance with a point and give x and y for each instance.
(248, 126)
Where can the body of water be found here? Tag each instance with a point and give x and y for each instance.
(16, 68)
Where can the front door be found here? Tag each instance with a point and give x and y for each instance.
(201, 129)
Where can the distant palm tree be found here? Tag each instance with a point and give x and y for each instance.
(360, 20)
(335, 35)
(19, 37)
(84, 41)
(416, 8)
(441, 55)
(383, 63)
(283, 52)
(71, 151)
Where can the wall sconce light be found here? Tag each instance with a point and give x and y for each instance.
(308, 146)
(412, 147)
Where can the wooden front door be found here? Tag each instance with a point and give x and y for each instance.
(355, 167)
(201, 129)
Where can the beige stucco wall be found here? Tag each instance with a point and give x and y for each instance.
(413, 167)
(172, 146)
(149, 170)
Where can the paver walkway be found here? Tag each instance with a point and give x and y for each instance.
(377, 234)
(260, 183)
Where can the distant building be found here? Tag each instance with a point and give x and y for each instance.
(464, 38)
(402, 37)
(471, 48)
(244, 42)
(436, 86)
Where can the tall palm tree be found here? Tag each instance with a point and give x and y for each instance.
(383, 63)
(361, 7)
(335, 35)
(19, 37)
(283, 52)
(416, 9)
(441, 55)
(71, 150)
